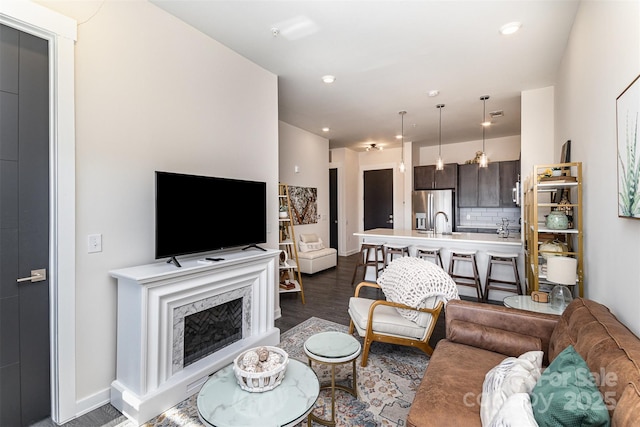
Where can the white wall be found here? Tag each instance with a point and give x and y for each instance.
(602, 58)
(151, 94)
(346, 162)
(310, 153)
(537, 130)
(497, 149)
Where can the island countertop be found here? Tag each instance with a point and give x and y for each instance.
(481, 243)
(416, 237)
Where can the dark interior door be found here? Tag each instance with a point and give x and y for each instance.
(24, 228)
(378, 199)
(333, 208)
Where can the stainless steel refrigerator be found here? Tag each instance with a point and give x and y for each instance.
(434, 210)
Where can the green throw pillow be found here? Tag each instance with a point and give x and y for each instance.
(566, 394)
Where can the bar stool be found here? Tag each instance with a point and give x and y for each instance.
(426, 253)
(364, 260)
(390, 250)
(471, 281)
(510, 285)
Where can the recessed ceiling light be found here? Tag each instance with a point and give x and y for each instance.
(325, 129)
(434, 92)
(328, 78)
(398, 136)
(510, 28)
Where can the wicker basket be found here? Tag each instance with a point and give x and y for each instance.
(257, 382)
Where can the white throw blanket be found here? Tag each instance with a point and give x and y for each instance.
(411, 281)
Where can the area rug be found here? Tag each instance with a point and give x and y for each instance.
(386, 386)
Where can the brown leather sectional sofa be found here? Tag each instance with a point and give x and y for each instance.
(480, 336)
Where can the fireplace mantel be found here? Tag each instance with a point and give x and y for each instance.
(148, 379)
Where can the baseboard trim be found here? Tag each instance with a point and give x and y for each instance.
(96, 400)
(349, 253)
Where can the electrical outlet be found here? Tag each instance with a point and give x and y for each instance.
(94, 243)
(468, 216)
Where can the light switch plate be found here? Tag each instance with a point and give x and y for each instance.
(94, 243)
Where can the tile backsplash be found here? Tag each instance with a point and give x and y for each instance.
(489, 217)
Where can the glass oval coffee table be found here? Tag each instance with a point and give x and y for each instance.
(222, 403)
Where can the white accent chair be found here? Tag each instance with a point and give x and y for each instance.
(313, 256)
(379, 320)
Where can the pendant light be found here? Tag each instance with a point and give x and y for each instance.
(439, 164)
(484, 162)
(402, 167)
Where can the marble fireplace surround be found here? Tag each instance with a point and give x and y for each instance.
(150, 377)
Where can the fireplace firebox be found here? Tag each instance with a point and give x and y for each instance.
(212, 329)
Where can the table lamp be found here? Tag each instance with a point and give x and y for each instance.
(562, 271)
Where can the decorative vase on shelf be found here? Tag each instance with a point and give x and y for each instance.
(564, 205)
(557, 220)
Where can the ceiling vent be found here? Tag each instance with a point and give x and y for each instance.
(495, 114)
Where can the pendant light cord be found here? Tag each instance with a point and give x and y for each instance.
(484, 115)
(440, 107)
(402, 113)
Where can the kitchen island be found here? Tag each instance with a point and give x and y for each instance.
(480, 242)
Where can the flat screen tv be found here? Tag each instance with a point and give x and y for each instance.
(201, 213)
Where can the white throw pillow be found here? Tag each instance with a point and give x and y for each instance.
(511, 376)
(312, 246)
(516, 411)
(309, 238)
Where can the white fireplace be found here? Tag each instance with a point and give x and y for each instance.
(154, 302)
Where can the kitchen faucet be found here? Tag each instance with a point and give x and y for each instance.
(435, 222)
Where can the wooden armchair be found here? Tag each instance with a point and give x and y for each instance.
(379, 320)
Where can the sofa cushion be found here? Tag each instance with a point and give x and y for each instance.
(493, 339)
(628, 407)
(610, 349)
(512, 375)
(540, 325)
(516, 411)
(566, 394)
(450, 392)
(317, 254)
(387, 320)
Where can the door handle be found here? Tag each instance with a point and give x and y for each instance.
(36, 276)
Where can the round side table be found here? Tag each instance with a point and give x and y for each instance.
(333, 348)
(524, 302)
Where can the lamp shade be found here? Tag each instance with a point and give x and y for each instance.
(562, 270)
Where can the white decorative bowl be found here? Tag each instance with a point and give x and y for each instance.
(257, 382)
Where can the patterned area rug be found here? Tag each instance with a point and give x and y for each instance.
(386, 386)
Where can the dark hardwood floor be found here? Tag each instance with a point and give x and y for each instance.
(327, 296)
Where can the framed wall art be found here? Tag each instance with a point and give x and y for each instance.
(304, 204)
(565, 153)
(627, 110)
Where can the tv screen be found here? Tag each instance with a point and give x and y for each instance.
(201, 213)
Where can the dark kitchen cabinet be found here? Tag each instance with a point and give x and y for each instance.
(489, 186)
(468, 186)
(428, 178)
(509, 174)
(479, 187)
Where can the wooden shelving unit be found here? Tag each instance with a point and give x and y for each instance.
(541, 196)
(289, 266)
